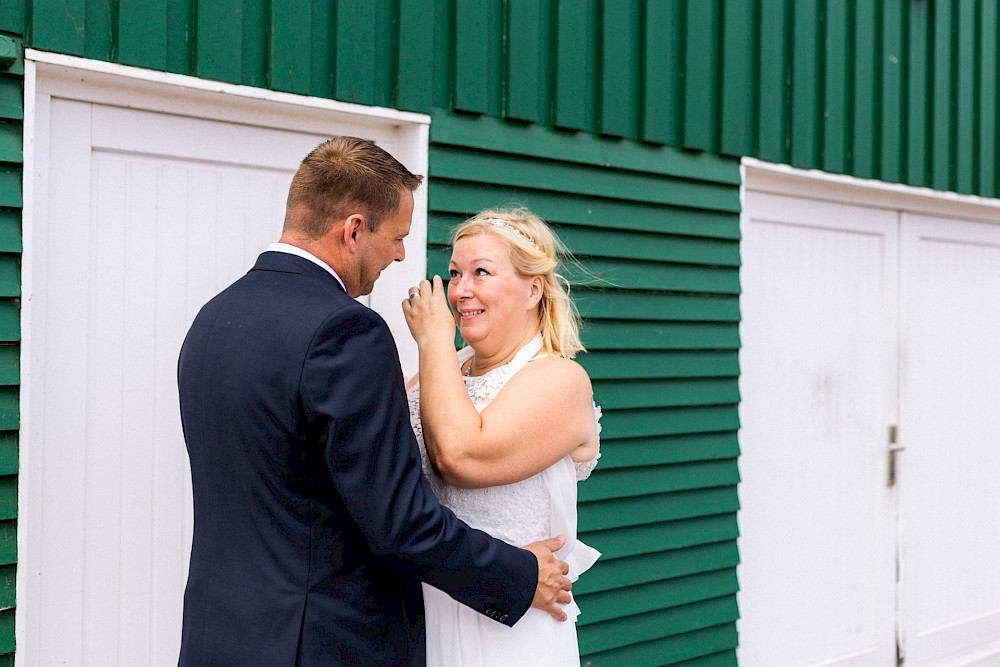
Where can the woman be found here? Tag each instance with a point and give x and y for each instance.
(508, 427)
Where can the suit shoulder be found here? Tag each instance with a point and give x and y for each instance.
(356, 321)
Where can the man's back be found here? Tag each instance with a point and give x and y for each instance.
(280, 573)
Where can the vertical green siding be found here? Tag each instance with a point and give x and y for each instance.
(942, 113)
(282, 45)
(12, 16)
(806, 86)
(918, 97)
(891, 91)
(737, 85)
(772, 138)
(838, 41)
(987, 185)
(575, 61)
(660, 229)
(618, 93)
(899, 90)
(11, 161)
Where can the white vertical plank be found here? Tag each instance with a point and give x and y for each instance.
(37, 114)
(818, 392)
(59, 372)
(171, 508)
(138, 229)
(950, 532)
(102, 474)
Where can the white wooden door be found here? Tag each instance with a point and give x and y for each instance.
(818, 387)
(857, 317)
(137, 217)
(950, 425)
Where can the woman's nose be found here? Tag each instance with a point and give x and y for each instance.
(457, 287)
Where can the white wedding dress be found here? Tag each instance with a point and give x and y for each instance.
(534, 509)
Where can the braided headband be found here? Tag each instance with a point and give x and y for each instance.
(497, 222)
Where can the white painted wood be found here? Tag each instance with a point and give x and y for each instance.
(950, 528)
(837, 188)
(818, 387)
(121, 85)
(134, 218)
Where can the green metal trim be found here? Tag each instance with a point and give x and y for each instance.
(9, 53)
(11, 142)
(8, 497)
(620, 573)
(658, 450)
(634, 364)
(673, 650)
(9, 443)
(8, 553)
(673, 421)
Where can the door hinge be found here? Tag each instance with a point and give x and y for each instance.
(894, 449)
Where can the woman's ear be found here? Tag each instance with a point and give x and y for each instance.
(537, 291)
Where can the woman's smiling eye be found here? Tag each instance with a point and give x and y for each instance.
(453, 273)
(482, 272)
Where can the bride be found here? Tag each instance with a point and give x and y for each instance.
(505, 429)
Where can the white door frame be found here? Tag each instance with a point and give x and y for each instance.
(819, 185)
(133, 88)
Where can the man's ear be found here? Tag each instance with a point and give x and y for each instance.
(352, 226)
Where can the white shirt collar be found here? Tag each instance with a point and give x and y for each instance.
(304, 254)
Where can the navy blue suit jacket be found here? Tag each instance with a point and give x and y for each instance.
(313, 523)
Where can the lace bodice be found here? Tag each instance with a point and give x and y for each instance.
(516, 513)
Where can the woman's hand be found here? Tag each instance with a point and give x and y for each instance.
(427, 313)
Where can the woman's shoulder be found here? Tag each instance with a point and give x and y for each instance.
(555, 370)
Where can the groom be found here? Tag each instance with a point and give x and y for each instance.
(313, 523)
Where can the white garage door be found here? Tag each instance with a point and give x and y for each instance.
(868, 327)
(148, 198)
(818, 383)
(949, 596)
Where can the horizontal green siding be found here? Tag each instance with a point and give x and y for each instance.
(11, 162)
(658, 240)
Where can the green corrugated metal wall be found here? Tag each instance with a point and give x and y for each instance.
(662, 227)
(898, 90)
(11, 159)
(565, 104)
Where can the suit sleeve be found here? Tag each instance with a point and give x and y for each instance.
(352, 388)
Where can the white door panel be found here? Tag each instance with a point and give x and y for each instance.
(950, 528)
(818, 392)
(138, 219)
(826, 365)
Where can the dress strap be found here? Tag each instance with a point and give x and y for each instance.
(523, 356)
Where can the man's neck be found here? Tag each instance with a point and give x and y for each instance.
(283, 245)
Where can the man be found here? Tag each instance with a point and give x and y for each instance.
(313, 523)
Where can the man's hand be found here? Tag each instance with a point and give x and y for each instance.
(553, 586)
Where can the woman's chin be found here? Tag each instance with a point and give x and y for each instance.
(471, 334)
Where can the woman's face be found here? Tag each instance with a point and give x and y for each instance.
(490, 301)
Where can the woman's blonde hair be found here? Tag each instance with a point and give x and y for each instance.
(535, 251)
